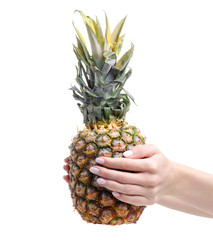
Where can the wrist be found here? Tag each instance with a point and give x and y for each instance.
(175, 179)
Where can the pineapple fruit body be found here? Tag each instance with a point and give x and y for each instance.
(94, 203)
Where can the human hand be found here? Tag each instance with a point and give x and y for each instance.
(151, 176)
(148, 177)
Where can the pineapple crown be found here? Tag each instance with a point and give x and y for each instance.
(100, 76)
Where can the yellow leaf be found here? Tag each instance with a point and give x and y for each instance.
(108, 33)
(117, 31)
(79, 34)
(87, 20)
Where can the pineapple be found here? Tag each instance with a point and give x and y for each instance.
(104, 103)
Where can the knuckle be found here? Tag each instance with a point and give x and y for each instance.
(153, 192)
(154, 147)
(130, 190)
(153, 166)
(122, 178)
(153, 181)
(139, 148)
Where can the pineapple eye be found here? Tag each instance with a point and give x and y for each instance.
(105, 152)
(114, 133)
(80, 145)
(117, 155)
(93, 208)
(94, 219)
(76, 137)
(72, 181)
(81, 204)
(80, 189)
(92, 193)
(132, 216)
(75, 170)
(73, 154)
(91, 136)
(118, 145)
(107, 214)
(116, 221)
(103, 140)
(91, 149)
(127, 137)
(122, 208)
(81, 160)
(107, 199)
(85, 176)
(137, 139)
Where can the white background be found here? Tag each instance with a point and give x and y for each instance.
(171, 82)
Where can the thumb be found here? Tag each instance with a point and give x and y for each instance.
(141, 151)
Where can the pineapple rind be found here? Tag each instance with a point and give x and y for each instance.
(96, 204)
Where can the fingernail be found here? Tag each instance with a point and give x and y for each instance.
(128, 153)
(116, 194)
(101, 181)
(99, 160)
(94, 170)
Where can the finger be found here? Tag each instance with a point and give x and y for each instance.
(67, 160)
(129, 189)
(136, 165)
(66, 178)
(118, 176)
(135, 200)
(142, 151)
(66, 168)
(141, 179)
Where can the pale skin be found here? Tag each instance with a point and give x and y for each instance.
(148, 177)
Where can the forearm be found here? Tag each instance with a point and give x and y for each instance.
(177, 204)
(193, 187)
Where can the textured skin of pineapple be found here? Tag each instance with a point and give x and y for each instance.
(96, 204)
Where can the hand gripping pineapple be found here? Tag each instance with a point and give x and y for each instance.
(104, 103)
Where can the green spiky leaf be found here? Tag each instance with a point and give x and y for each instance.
(99, 32)
(97, 51)
(124, 60)
(118, 45)
(129, 95)
(100, 77)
